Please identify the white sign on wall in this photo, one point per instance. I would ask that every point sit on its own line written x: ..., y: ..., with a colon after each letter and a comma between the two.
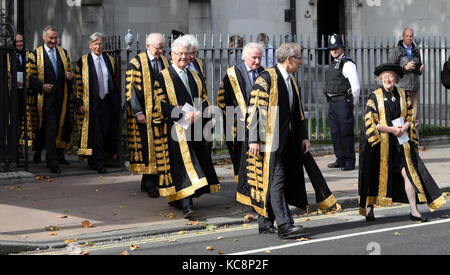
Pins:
x: 374, y: 3
x: 73, y: 3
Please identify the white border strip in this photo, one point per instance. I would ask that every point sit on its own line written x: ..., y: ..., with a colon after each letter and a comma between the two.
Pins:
x: 339, y: 237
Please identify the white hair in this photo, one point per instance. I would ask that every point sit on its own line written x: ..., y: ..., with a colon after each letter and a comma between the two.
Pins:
x: 193, y: 40
x: 154, y: 38
x: 96, y: 36
x: 249, y: 46
x: 181, y: 42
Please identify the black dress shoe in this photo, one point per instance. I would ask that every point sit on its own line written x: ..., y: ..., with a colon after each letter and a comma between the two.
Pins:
x: 63, y: 162
x: 289, y: 232
x: 336, y: 165
x: 267, y: 230
x: 37, y: 157
x: 188, y: 213
x: 101, y: 170
x: 370, y: 217
x: 348, y: 168
x: 55, y: 170
x: 417, y: 219
x: 153, y: 194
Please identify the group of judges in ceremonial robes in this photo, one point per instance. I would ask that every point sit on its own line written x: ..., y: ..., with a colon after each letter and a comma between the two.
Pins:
x: 264, y: 121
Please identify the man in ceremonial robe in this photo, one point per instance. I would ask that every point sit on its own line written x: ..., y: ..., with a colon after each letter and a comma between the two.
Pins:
x: 279, y: 148
x: 98, y: 101
x: 184, y: 162
x: 142, y: 74
x: 234, y: 96
x: 50, y: 77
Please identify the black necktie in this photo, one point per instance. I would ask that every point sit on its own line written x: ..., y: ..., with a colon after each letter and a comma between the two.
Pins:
x: 156, y: 65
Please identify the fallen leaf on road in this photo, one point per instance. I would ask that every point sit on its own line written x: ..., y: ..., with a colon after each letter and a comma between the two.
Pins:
x: 397, y: 234
x: 52, y: 234
x: 182, y: 232
x: 88, y: 244
x: 338, y: 207
x: 52, y: 228
x: 193, y: 223
x: 209, y: 248
x: 134, y: 247
x: 220, y: 237
x: 70, y: 241
x: 248, y: 218
x: 302, y: 239
x: 122, y: 206
x: 170, y: 216
x: 84, y: 253
x: 125, y: 253
x: 267, y: 251
x: 173, y: 241
x: 220, y: 252
x: 445, y: 217
x: 86, y: 224
x: 62, y: 216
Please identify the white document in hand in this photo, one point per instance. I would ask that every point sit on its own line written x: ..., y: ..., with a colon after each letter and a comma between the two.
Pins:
x: 187, y: 108
x: 400, y: 122
x: 20, y: 79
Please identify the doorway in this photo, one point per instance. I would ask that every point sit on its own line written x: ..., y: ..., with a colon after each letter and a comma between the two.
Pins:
x: 330, y: 20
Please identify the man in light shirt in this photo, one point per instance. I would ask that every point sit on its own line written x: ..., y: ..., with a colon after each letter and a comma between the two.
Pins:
x: 342, y: 92
x: 184, y: 161
x: 98, y: 101
x: 50, y: 76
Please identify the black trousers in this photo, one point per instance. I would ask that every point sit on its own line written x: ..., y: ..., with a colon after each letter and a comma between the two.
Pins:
x: 342, y: 120
x: 279, y: 209
x: 101, y: 128
x: 47, y: 137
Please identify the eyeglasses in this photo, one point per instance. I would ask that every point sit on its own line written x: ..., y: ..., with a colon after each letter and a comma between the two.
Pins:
x: 183, y: 54
x: 297, y: 57
x: 388, y: 77
x: 158, y: 49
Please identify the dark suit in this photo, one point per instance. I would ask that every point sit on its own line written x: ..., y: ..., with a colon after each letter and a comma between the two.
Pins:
x: 104, y: 114
x: 198, y: 152
x: 229, y: 95
x: 138, y: 88
x: 53, y: 106
x: 290, y: 130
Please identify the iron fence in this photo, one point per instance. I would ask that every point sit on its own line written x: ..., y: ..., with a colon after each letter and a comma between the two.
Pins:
x: 368, y: 53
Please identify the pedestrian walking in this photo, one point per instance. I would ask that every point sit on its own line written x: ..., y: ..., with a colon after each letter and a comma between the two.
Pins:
x: 390, y: 168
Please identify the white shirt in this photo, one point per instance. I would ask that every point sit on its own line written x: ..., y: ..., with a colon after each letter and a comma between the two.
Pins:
x: 47, y: 49
x: 152, y: 59
x: 104, y: 70
x: 288, y: 82
x: 349, y: 71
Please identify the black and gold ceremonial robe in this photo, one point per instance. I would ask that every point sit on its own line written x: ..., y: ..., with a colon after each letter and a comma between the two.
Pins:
x: 39, y: 72
x: 140, y: 85
x: 264, y: 107
x: 199, y: 65
x: 87, y: 95
x: 233, y: 93
x: 18, y: 100
x: 184, y: 163
x: 382, y: 158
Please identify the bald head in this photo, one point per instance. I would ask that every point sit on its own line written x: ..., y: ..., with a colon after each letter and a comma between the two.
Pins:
x: 155, y: 44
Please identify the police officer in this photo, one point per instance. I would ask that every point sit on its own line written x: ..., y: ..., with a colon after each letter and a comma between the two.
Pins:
x: 342, y: 91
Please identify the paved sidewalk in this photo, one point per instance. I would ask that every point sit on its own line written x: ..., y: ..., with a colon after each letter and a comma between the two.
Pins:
x: 31, y: 205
